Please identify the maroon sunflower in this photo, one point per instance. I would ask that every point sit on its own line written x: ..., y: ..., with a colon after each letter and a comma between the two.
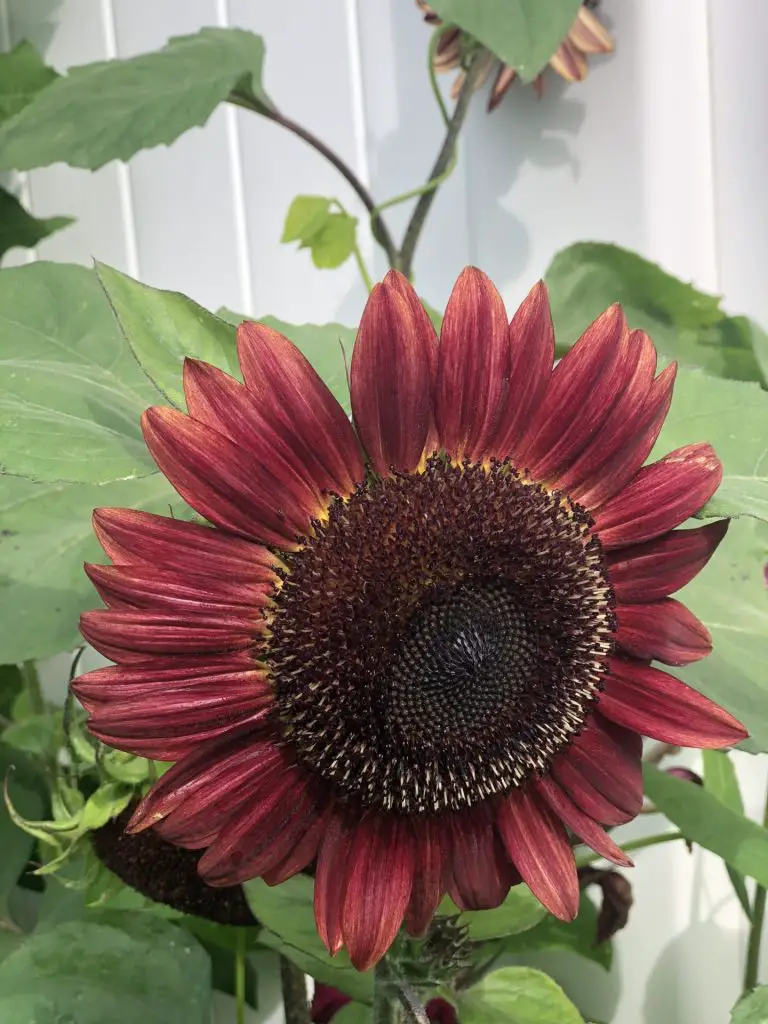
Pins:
x: 413, y: 653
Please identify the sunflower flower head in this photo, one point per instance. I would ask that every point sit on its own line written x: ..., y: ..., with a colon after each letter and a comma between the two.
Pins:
x: 411, y: 652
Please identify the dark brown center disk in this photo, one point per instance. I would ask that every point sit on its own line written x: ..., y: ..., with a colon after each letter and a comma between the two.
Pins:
x: 441, y: 637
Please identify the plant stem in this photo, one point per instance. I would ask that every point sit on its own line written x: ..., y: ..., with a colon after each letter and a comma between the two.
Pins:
x: 379, y: 228
x: 419, y: 215
x: 367, y: 280
x: 431, y: 51
x: 635, y: 844
x: 240, y: 949
x: 295, y: 1005
x: 385, y: 1008
x: 32, y: 687
x: 756, y: 927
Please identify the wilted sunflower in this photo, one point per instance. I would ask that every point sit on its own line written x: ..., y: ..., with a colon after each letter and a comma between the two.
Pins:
x: 409, y: 653
x: 586, y: 37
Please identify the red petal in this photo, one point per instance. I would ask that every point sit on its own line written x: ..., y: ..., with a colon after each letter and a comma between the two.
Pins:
x: 662, y: 631
x: 660, y: 497
x: 648, y: 572
x: 222, y: 483
x: 532, y: 347
x: 621, y: 424
x: 129, y: 536
x: 428, y: 876
x: 632, y: 443
x: 473, y: 367
x: 392, y: 376
x: 299, y: 407
x: 602, y: 772
x: 331, y: 877
x: 656, y: 704
x: 538, y: 844
x: 380, y: 866
x: 582, y: 390
x: 581, y: 824
x: 303, y: 852
x: 142, y: 586
x: 481, y: 872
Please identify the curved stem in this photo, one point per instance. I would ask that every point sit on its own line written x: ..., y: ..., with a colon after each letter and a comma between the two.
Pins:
x: 755, y: 928
x: 240, y: 976
x: 635, y: 844
x: 380, y: 230
x: 431, y: 51
x: 294, y: 987
x: 444, y: 157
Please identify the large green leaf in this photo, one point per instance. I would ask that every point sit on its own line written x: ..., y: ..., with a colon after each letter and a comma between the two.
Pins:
x: 523, y: 33
x: 703, y: 819
x: 163, y: 327
x: 46, y: 536
x: 730, y: 597
x: 721, y: 781
x: 684, y: 323
x: 517, y: 995
x: 22, y: 75
x: 753, y: 1008
x: 287, y: 913
x: 120, y: 967
x: 19, y: 229
x: 577, y: 936
x: 71, y: 394
x: 732, y: 416
x: 112, y: 109
x: 26, y: 795
x: 327, y: 346
x: 519, y: 912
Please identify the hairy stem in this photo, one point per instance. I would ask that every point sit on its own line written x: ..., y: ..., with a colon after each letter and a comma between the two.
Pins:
x: 385, y: 1007
x: 444, y: 157
x: 755, y: 928
x: 379, y: 228
x: 294, y: 988
x: 635, y: 844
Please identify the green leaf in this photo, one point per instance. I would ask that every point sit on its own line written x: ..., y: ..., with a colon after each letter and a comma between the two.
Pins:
x: 684, y: 323
x: 22, y: 75
x: 577, y: 936
x: 37, y: 735
x: 306, y: 215
x: 11, y: 685
x: 753, y: 1008
x: 703, y: 819
x: 19, y: 229
x: 325, y: 345
x: 733, y: 417
x: 162, y: 328
x: 522, y: 33
x: 721, y: 781
x: 106, y: 803
x: 125, y: 767
x: 730, y: 597
x: 70, y: 392
x: 287, y: 913
x: 120, y: 967
x: 330, y: 236
x: 352, y: 1013
x: 519, y: 912
x: 45, y: 538
x: 519, y: 995
x: 112, y: 109
x: 25, y: 789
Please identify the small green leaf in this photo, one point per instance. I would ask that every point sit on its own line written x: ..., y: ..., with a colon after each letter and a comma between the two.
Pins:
x: 37, y: 735
x: 522, y: 33
x: 19, y: 229
x: 519, y: 912
x: 703, y: 819
x: 71, y: 394
x: 120, y: 967
x: 127, y: 768
x: 287, y: 913
x: 106, y: 803
x: 721, y: 781
x: 334, y: 242
x: 520, y: 995
x: 22, y: 75
x: 578, y: 936
x: 753, y: 1008
x: 306, y: 215
x: 112, y: 109
x: 162, y: 328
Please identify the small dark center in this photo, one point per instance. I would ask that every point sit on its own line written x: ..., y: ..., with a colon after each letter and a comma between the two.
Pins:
x: 441, y: 637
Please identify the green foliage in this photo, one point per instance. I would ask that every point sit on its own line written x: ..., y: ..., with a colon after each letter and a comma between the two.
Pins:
x: 11, y: 686
x: 19, y: 229
x: 116, y: 966
x: 721, y: 781
x: 26, y: 791
x: 22, y: 75
x: 519, y: 912
x: 753, y: 1008
x: 287, y: 913
x: 70, y: 392
x: 519, y: 994
x: 329, y: 234
x: 684, y: 323
x: 578, y: 936
x: 703, y: 819
x: 523, y: 33
x: 112, y: 109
